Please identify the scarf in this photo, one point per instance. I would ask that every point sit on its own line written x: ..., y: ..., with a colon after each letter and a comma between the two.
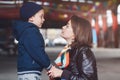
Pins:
x: 62, y: 61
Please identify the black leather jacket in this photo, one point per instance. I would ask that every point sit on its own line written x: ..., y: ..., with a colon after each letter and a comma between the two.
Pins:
x: 82, y: 65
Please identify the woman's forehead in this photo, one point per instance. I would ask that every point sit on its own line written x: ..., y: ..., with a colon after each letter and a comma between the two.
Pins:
x: 69, y: 21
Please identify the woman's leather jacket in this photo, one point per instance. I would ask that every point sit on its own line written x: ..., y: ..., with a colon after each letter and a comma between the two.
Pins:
x: 82, y: 65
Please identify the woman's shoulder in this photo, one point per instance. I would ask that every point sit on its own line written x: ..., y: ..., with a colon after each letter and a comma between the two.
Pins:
x: 83, y: 48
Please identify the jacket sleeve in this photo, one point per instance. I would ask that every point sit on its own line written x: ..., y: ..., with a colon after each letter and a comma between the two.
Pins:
x: 86, y: 71
x: 34, y: 44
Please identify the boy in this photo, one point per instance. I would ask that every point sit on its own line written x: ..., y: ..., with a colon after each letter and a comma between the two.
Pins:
x: 31, y: 54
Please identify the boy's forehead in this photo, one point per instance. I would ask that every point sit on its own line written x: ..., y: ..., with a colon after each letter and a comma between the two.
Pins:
x: 40, y: 12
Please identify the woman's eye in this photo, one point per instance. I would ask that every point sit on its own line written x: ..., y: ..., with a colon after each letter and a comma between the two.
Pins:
x: 67, y: 26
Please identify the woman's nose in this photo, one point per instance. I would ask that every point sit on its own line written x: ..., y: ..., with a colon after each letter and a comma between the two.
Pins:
x: 43, y: 19
x: 63, y: 27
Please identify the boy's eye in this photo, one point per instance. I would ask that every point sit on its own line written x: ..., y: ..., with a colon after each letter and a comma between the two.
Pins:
x: 41, y: 17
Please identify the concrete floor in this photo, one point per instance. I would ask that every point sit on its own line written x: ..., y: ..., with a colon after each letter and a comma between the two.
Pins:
x: 108, y: 64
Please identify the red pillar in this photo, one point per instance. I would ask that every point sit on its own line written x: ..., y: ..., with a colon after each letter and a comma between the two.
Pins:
x: 115, y: 30
x: 105, y: 40
x: 104, y: 23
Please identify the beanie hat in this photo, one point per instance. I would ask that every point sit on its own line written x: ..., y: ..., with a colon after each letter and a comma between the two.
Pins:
x: 28, y: 10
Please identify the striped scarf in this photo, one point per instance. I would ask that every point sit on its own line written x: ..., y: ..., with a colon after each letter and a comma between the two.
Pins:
x: 62, y: 61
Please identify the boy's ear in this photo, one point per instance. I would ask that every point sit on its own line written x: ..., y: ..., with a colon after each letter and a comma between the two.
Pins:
x: 30, y: 19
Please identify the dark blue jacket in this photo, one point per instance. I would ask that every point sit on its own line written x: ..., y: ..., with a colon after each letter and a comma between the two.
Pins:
x: 31, y: 48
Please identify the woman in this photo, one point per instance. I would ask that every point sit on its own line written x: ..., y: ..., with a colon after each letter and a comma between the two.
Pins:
x: 81, y: 64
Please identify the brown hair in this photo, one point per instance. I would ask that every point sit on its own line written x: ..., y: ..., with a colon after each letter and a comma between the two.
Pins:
x: 82, y: 30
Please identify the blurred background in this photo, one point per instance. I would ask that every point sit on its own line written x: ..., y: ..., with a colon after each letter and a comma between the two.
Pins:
x: 104, y: 16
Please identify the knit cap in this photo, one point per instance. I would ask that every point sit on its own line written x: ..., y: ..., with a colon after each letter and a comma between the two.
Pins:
x: 28, y: 10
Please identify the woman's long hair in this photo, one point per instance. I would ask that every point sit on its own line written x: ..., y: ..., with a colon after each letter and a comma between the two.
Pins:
x: 82, y: 30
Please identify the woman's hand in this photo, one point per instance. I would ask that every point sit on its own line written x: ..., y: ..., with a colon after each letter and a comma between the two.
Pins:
x: 55, y: 72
